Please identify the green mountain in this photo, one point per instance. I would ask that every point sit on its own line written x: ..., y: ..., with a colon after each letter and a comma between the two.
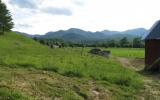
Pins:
x: 74, y: 35
x: 130, y: 34
x: 78, y: 35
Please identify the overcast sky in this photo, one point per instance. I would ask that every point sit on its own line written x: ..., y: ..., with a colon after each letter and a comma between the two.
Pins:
x: 41, y: 16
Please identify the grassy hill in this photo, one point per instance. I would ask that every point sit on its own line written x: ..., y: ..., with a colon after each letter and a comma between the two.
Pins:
x: 30, y: 70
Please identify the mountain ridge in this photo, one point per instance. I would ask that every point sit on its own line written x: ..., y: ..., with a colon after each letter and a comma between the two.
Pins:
x: 77, y: 35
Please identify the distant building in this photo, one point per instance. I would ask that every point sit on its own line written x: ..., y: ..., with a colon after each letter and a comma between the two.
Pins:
x: 152, y: 48
x: 55, y: 46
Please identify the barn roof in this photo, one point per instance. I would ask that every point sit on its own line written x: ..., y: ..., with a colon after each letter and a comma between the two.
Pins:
x: 154, y: 32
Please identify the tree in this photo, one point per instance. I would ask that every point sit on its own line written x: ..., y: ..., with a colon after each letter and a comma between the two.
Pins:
x: 137, y: 43
x: 112, y: 43
x: 42, y: 41
x: 124, y: 42
x: 35, y: 38
x: 6, y: 23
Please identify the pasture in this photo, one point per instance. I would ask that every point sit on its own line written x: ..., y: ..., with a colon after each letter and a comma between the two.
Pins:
x: 29, y: 68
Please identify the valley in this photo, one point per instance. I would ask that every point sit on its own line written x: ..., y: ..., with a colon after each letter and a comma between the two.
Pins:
x: 33, y: 71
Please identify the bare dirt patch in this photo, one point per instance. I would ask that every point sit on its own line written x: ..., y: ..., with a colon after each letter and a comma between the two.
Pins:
x: 151, y: 89
x: 133, y: 63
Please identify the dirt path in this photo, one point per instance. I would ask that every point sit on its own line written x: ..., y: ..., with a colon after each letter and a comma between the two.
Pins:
x: 126, y: 62
x: 151, y: 89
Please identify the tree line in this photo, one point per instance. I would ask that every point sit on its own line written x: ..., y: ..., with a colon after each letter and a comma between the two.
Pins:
x: 124, y: 43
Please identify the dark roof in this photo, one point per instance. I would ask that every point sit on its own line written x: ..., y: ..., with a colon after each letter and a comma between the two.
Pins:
x: 154, y: 32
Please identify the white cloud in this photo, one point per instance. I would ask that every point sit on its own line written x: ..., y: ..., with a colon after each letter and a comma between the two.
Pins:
x: 57, y: 11
x: 91, y: 15
x: 31, y: 4
x: 78, y: 2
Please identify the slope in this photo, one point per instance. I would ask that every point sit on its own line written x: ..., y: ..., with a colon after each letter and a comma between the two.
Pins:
x: 30, y: 70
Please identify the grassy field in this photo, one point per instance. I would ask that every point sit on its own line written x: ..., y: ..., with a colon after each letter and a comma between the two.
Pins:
x: 30, y: 70
x: 128, y: 52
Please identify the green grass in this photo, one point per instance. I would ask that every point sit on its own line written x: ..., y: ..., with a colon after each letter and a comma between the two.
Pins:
x: 128, y: 52
x: 17, y: 51
x: 7, y: 94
